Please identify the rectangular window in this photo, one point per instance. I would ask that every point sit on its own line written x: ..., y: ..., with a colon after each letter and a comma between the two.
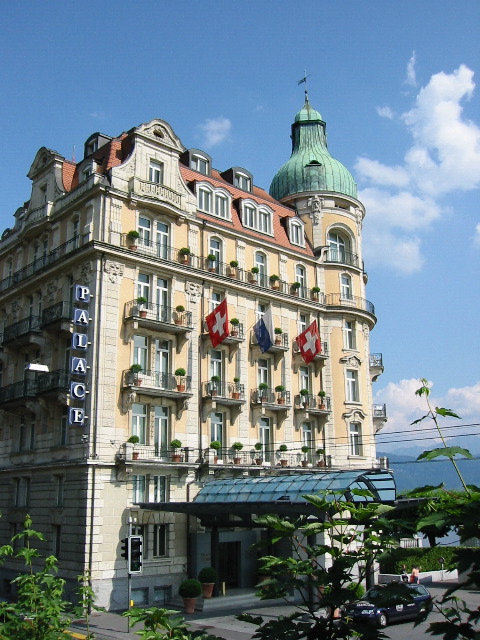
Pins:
x: 159, y: 489
x: 140, y: 596
x: 352, y: 386
x: 160, y: 540
x: 205, y: 200
x: 221, y: 206
x: 59, y: 485
x: 162, y: 595
x: 296, y: 234
x: 139, y: 421
x: 264, y: 221
x: 155, y: 172
x: 242, y: 182
x: 355, y: 439
x: 349, y: 335
x: 216, y: 426
x: 22, y: 492
x: 26, y: 435
x: 250, y: 217
x: 200, y: 164
x: 139, y: 486
x: 63, y: 430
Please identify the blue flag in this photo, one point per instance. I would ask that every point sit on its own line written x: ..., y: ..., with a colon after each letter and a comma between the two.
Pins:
x: 263, y: 329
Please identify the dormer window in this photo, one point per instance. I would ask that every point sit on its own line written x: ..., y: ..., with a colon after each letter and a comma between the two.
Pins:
x: 205, y: 199
x: 296, y: 233
x: 213, y: 201
x: 221, y: 206
x: 243, y: 182
x: 258, y: 218
x: 91, y: 147
x: 155, y: 172
x: 200, y: 164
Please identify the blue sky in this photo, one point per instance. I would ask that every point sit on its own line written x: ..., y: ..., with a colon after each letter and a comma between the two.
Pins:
x: 396, y: 84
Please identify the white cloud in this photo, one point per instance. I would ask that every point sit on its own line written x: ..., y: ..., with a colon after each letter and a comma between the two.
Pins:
x: 215, y: 131
x: 386, y: 112
x: 403, y: 407
x: 411, y: 78
x: 444, y: 156
x: 476, y: 237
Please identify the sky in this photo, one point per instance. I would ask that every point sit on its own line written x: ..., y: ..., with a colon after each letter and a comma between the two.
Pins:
x: 396, y: 83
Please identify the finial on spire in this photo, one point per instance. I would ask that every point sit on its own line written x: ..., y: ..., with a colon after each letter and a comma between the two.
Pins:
x: 304, y: 79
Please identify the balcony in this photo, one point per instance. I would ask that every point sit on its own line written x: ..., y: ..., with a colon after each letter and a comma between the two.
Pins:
x: 159, y: 318
x: 40, y: 264
x: 318, y: 361
x: 22, y: 332
x: 158, y: 453
x: 16, y: 393
x: 57, y: 316
x: 376, y: 365
x: 314, y: 405
x: 342, y: 257
x: 352, y: 302
x: 279, y: 347
x: 228, y: 393
x: 273, y: 400
x: 159, y: 385
x: 53, y: 381
x: 379, y: 414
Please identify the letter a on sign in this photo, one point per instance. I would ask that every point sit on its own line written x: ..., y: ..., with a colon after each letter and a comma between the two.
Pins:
x: 78, y: 366
x: 80, y: 316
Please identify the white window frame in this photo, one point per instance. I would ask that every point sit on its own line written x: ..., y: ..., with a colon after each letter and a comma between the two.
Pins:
x: 264, y: 221
x: 345, y: 287
x: 349, y: 335
x: 156, y: 171
x: 297, y: 233
x: 139, y: 489
x: 160, y: 541
x: 242, y: 181
x: 139, y: 421
x: 222, y: 205
x: 200, y: 164
x: 217, y: 426
x: 205, y: 199
x: 352, y: 391
x: 338, y: 245
x: 355, y: 441
x: 158, y: 487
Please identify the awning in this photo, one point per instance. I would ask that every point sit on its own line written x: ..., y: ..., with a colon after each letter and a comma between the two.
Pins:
x: 237, y: 501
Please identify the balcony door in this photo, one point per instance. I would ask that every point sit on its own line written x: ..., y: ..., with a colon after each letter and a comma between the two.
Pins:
x: 265, y: 437
x: 162, y: 363
x: 163, y: 299
x: 163, y: 240
x: 161, y: 430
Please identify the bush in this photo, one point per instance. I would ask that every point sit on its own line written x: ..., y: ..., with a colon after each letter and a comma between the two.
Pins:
x: 207, y: 575
x: 215, y: 444
x: 190, y: 588
x: 426, y: 558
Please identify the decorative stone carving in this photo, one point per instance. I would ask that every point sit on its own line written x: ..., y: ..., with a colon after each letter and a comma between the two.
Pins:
x: 15, y: 310
x: 52, y: 288
x: 316, y: 205
x: 193, y: 291
x: 128, y: 399
x: 84, y: 273
x: 114, y: 270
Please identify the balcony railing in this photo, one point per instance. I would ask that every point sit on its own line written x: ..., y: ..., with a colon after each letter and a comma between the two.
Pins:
x: 312, y: 403
x: 269, y: 396
x: 339, y: 300
x: 17, y: 390
x: 232, y: 390
x: 158, y: 313
x: 376, y: 360
x: 60, y: 311
x: 379, y: 411
x: 40, y: 264
x: 21, y: 328
x: 158, y: 380
x: 53, y: 380
x: 279, y: 341
x: 322, y: 354
x: 342, y: 256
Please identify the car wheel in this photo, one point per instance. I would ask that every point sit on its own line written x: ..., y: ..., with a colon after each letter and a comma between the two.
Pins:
x: 382, y: 620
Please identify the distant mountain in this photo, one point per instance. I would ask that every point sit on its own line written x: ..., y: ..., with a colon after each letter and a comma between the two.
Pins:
x: 409, y: 474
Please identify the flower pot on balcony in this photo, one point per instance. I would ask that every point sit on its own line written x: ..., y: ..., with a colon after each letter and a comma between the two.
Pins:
x: 235, y: 395
x: 321, y: 463
x: 181, y: 387
x: 304, y: 463
x: 278, y: 340
x: 176, y: 457
x: 283, y: 463
x: 281, y: 400
x: 237, y: 460
x: 142, y: 313
x: 258, y: 461
x: 135, y: 455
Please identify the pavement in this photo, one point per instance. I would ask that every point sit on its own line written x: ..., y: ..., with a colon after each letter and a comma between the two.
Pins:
x: 218, y: 616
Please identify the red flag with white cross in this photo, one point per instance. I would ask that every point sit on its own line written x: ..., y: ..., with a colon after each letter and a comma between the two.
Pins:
x: 309, y: 342
x: 217, y: 323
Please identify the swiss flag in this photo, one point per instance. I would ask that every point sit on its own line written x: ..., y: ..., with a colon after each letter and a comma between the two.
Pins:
x: 217, y: 323
x: 309, y: 342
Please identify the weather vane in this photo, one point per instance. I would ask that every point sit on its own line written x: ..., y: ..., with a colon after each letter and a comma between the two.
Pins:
x: 304, y: 79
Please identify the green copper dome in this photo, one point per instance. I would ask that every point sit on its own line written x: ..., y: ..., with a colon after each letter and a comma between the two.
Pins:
x: 311, y: 167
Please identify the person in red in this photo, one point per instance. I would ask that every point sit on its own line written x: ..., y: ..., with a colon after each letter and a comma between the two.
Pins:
x: 415, y: 575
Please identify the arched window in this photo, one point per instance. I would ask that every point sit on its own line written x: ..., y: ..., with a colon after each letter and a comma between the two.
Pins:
x: 337, y: 247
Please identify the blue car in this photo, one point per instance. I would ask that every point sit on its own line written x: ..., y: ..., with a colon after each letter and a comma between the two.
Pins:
x: 387, y: 603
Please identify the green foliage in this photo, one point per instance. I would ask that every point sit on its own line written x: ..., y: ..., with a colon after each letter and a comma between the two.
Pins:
x: 426, y: 558
x: 160, y: 624
x: 190, y: 588
x: 40, y: 611
x: 207, y: 574
x: 215, y: 444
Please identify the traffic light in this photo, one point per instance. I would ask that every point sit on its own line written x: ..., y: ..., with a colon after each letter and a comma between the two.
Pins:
x: 125, y: 548
x: 135, y: 554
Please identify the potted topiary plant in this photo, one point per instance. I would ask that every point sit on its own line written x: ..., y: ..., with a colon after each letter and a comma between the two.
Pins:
x: 184, y: 254
x: 211, y: 259
x: 134, y: 377
x: 232, y: 268
x: 237, y: 446
x: 190, y: 590
x: 274, y: 281
x: 283, y: 454
x: 176, y: 445
x: 321, y: 399
x: 234, y: 330
x: 305, y: 450
x: 315, y: 293
x: 254, y: 275
x: 258, y: 447
x: 280, y: 389
x: 179, y: 313
x: 133, y: 440
x: 236, y: 389
x: 304, y: 396
x: 214, y: 385
x: 295, y: 287
x: 216, y: 445
x: 132, y: 237
x: 180, y: 373
x: 207, y: 578
x: 142, y: 310
x: 321, y: 457
x: 278, y: 335
x: 262, y: 388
